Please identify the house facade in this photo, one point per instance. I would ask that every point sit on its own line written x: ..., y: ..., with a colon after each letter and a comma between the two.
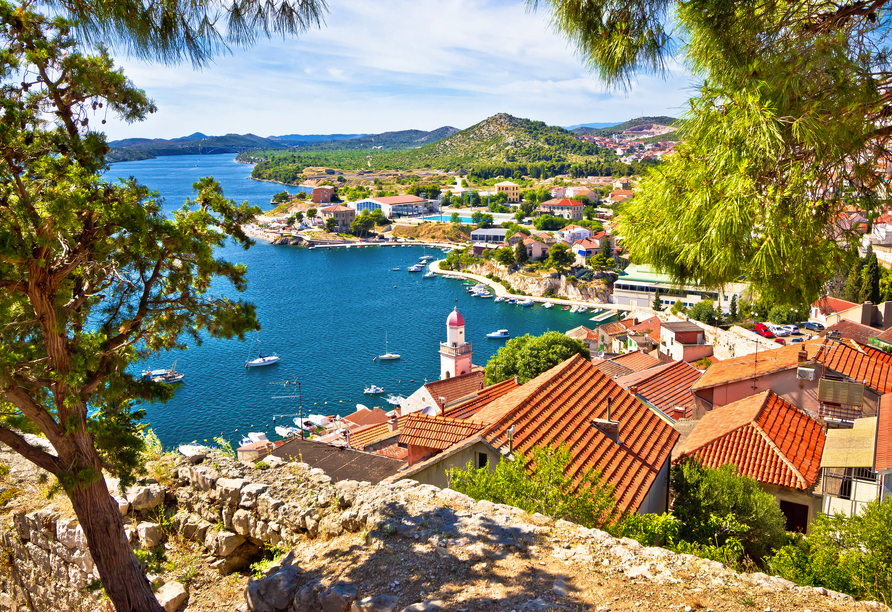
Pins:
x: 512, y: 190
x: 489, y: 234
x: 322, y: 194
x: 568, y: 209
x: 344, y: 215
x: 684, y: 341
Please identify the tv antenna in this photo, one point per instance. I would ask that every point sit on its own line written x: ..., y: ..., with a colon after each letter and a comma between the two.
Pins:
x: 300, y: 403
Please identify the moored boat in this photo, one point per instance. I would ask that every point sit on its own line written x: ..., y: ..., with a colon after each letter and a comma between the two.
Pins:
x: 527, y: 303
x: 168, y: 376
x: 548, y: 305
x: 373, y: 390
x: 502, y: 333
x: 429, y: 275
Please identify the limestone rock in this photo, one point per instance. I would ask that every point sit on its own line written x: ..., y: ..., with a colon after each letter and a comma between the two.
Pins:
x: 150, y: 534
x: 222, y: 543
x: 429, y: 605
x: 171, y: 596
x: 378, y: 603
x: 229, y: 490
x: 275, y: 592
x: 339, y: 597
x: 250, y: 493
x: 145, y: 497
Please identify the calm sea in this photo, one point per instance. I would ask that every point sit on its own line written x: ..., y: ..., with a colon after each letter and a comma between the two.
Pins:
x: 324, y: 312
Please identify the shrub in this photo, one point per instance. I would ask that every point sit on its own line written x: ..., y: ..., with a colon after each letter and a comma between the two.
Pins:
x: 539, y: 482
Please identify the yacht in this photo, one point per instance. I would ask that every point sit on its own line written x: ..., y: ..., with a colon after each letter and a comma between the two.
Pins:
x: 285, y: 431
x: 387, y: 354
x: 548, y: 305
x: 373, y: 390
x: 262, y: 360
x: 429, y: 275
x: 415, y: 268
x: 499, y: 299
x: 512, y: 301
x: 255, y: 437
x: 502, y: 333
x: 582, y: 309
x: 168, y: 376
x: 395, y: 400
x: 527, y: 303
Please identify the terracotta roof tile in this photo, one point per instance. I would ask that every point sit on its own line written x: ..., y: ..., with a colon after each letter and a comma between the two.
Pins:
x: 766, y: 437
x: 856, y: 365
x: 437, y: 431
x: 852, y: 330
x: 582, y: 333
x: 394, y: 451
x: 367, y: 435
x: 452, y: 389
x: 667, y: 387
x: 472, y: 406
x: 611, y: 368
x: 637, y: 361
x: 557, y: 407
x: 829, y: 305
x: 883, y: 460
x: 367, y: 417
x: 615, y: 328
x: 650, y: 326
x: 871, y: 351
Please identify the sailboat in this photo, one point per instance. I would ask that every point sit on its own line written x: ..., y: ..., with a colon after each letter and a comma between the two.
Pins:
x: 262, y: 360
x: 387, y: 354
x: 168, y: 376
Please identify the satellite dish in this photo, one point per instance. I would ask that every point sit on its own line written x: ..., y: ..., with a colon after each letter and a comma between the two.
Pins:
x: 430, y: 411
x: 600, y: 354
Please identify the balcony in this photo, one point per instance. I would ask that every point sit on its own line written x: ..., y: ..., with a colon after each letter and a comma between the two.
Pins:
x: 455, y: 351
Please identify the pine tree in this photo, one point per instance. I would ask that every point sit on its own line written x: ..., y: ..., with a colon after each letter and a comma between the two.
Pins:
x: 520, y: 253
x: 658, y: 303
x: 870, y: 280
x: 732, y: 309
x: 852, y: 290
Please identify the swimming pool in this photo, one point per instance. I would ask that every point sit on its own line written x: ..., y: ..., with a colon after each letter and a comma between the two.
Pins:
x: 447, y: 218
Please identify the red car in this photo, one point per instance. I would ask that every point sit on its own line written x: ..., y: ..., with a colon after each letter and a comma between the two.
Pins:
x: 780, y: 340
x: 763, y: 330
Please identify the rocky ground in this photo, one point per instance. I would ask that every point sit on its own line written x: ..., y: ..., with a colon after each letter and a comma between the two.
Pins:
x: 404, y: 546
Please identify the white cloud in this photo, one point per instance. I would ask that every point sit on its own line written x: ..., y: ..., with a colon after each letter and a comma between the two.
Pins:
x: 394, y: 65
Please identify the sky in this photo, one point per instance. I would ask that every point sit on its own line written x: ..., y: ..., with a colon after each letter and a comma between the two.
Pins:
x: 394, y: 65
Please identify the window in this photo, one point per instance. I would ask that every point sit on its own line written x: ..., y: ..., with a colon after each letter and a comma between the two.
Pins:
x: 482, y: 460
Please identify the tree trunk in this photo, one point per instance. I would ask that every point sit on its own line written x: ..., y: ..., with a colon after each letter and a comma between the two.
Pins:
x: 122, y: 576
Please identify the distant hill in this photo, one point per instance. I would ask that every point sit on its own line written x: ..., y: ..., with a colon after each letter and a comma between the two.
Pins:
x: 389, y: 141
x: 590, y: 125
x: 135, y: 149
x: 315, y: 138
x: 628, y: 125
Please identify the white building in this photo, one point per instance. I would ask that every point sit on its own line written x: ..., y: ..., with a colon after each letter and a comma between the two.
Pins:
x: 637, y: 286
x: 391, y: 206
x: 489, y: 234
x: 455, y: 353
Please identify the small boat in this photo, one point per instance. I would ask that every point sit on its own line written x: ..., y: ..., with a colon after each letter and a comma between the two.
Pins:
x: 502, y: 333
x: 373, y: 390
x: 425, y: 258
x: 415, y: 268
x: 484, y: 295
x: 168, y: 376
x: 548, y: 305
x: 286, y: 432
x: 512, y: 301
x: 255, y: 437
x: 527, y: 303
x: 582, y: 309
x: 499, y: 299
x: 429, y: 275
x: 396, y: 269
x: 395, y: 400
x: 565, y: 308
x: 262, y: 360
x: 387, y: 356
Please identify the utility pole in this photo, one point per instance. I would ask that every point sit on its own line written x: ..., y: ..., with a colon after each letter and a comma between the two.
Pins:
x: 300, y: 404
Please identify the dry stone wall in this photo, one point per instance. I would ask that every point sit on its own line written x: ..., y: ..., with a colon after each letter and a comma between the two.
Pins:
x: 333, y: 530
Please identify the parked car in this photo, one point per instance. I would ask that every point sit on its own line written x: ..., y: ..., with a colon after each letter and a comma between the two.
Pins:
x: 779, y: 330
x: 780, y: 340
x: 791, y: 328
x: 811, y: 325
x: 762, y: 330
x: 798, y: 340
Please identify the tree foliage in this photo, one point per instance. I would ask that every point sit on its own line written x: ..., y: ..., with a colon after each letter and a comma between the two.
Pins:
x: 715, y: 505
x: 528, y: 356
x: 93, y: 278
x: 540, y: 483
x: 706, y: 311
x: 851, y: 554
x: 787, y: 130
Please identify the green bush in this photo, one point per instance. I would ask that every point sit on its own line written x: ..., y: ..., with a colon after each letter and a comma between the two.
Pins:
x: 848, y: 554
x: 718, y: 506
x: 783, y: 315
x: 539, y: 482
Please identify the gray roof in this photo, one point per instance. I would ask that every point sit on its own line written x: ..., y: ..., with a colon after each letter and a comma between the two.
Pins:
x: 339, y: 462
x: 682, y: 326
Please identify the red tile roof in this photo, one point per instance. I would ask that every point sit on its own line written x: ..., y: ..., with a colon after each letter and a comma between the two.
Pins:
x: 367, y: 417
x: 452, y: 389
x: 854, y: 364
x: 615, y: 328
x: 582, y: 333
x: 829, y: 305
x: 394, y: 451
x: 855, y: 331
x: 557, y: 407
x: 564, y: 202
x: 767, y: 438
x: 437, y: 431
x: 367, y: 435
x: 872, y: 352
x: 883, y: 460
x: 650, y: 326
x: 611, y: 368
x: 470, y: 407
x: 637, y: 361
x: 667, y: 387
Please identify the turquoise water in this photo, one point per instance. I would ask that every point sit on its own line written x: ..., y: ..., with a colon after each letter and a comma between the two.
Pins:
x: 446, y: 218
x: 325, y: 312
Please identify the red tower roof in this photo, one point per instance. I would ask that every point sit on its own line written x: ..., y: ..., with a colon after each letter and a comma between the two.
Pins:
x: 455, y: 319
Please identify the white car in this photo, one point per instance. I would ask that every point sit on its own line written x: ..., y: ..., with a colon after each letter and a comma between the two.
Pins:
x: 779, y: 330
x: 791, y: 328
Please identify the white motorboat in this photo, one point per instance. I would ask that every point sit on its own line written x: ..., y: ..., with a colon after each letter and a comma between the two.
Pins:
x: 548, y: 305
x: 574, y: 309
x: 261, y: 360
x: 502, y: 333
x: 387, y: 356
x: 255, y: 437
x: 582, y: 309
x: 484, y: 294
x: 429, y: 275
x: 415, y: 268
x: 395, y: 400
x: 168, y: 376
x: 425, y: 258
x: 527, y: 303
x: 499, y: 299
x: 373, y: 390
x: 286, y: 432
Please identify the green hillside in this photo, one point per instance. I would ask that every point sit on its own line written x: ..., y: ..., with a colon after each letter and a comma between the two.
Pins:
x: 616, y: 129
x: 134, y: 149
x: 387, y: 141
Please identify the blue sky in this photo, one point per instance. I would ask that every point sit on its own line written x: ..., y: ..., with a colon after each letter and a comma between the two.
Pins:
x: 394, y: 65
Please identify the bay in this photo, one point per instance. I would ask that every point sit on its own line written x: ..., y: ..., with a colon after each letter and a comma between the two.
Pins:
x: 325, y: 312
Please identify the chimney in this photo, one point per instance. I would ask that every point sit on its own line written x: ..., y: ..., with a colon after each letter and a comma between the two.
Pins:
x: 511, y: 439
x: 517, y: 380
x: 606, y: 426
x: 803, y: 355
x: 391, y: 425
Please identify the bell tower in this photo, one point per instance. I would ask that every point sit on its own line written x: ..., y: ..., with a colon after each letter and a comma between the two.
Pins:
x: 455, y: 353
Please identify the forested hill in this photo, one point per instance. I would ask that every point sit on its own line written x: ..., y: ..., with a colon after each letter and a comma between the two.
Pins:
x: 616, y: 129
x: 500, y: 145
x: 135, y: 149
x: 387, y: 141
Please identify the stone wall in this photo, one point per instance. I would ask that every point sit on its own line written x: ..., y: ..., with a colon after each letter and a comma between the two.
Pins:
x: 434, y: 536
